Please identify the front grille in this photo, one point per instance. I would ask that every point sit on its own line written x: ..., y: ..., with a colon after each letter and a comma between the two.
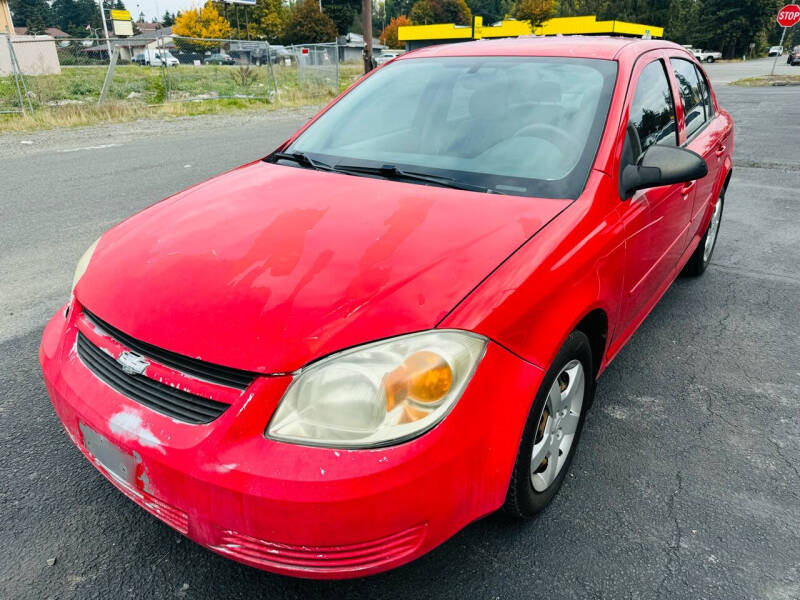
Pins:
x: 191, y: 366
x: 162, y: 398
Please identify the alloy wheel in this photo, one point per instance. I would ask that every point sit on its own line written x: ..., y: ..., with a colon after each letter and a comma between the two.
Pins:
x: 713, y: 229
x: 557, y: 425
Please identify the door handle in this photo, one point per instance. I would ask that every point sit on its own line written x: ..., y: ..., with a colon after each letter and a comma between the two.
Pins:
x: 720, y: 150
x: 687, y: 187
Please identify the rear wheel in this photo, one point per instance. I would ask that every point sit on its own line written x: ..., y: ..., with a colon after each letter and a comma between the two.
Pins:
x: 702, y: 255
x: 709, y: 59
x: 552, y: 430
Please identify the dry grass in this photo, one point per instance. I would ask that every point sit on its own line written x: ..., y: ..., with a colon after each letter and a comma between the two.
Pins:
x: 765, y: 80
x: 79, y: 87
x: 81, y: 115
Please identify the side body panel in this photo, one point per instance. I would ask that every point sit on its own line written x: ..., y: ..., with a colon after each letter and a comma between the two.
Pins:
x: 714, y: 142
x: 656, y: 223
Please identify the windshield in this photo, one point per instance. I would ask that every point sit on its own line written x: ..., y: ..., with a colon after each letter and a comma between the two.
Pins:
x: 514, y: 125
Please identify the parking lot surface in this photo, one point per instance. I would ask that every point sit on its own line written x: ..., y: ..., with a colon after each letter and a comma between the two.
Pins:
x: 685, y: 485
x: 726, y: 72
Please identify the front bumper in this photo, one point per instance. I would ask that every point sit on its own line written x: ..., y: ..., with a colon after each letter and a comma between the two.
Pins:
x: 296, y: 510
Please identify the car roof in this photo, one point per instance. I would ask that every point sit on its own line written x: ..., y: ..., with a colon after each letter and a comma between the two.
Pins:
x: 578, y: 46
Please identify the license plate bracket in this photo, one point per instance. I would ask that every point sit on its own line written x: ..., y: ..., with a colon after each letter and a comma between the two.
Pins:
x: 118, y: 463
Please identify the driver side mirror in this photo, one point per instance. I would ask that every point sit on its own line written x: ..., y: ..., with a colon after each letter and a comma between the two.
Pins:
x: 661, y: 165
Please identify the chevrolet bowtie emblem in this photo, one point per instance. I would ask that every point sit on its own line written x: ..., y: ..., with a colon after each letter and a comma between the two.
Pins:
x: 132, y: 363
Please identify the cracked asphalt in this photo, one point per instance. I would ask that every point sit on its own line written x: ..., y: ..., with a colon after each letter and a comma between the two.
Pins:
x: 686, y: 481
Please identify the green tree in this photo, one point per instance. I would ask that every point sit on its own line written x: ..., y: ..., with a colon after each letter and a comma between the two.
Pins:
x: 682, y: 26
x: 357, y: 25
x: 73, y: 16
x: 426, y: 12
x: 168, y: 19
x: 268, y: 20
x: 491, y: 10
x: 33, y: 14
x: 308, y: 24
x: 731, y: 27
x: 342, y: 13
x: 395, y: 8
x: 582, y: 8
x: 422, y: 13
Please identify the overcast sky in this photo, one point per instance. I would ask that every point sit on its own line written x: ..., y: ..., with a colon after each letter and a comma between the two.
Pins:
x: 152, y: 8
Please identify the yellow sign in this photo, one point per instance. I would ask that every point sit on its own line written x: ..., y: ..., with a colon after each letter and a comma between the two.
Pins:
x: 120, y: 15
x: 477, y: 28
x: 511, y: 28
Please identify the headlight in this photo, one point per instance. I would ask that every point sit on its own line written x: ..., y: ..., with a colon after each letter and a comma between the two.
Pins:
x: 378, y: 394
x: 83, y: 263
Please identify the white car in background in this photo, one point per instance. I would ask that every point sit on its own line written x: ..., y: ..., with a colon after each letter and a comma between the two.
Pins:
x: 706, y: 55
x: 386, y: 56
x: 155, y: 58
x: 775, y: 51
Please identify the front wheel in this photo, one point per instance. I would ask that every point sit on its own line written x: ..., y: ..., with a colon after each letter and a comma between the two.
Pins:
x: 702, y: 255
x: 552, y: 430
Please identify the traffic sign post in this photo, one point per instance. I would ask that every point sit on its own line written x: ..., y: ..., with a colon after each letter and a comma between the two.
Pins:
x: 788, y: 16
x: 105, y: 29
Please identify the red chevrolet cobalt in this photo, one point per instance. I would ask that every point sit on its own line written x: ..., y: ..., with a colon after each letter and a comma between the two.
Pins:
x: 327, y: 362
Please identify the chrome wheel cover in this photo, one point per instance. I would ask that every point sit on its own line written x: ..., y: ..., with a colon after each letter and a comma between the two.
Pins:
x: 557, y: 425
x: 713, y: 229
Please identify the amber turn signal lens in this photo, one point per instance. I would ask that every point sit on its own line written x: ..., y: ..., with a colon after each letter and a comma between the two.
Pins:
x: 424, y: 377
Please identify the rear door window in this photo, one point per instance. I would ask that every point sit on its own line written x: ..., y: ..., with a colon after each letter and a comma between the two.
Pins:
x: 694, y: 109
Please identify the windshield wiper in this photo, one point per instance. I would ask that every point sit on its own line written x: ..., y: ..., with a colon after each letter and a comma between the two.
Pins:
x: 301, y: 159
x: 393, y: 172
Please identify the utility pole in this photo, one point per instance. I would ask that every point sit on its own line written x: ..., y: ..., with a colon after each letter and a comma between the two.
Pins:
x: 366, y: 26
x: 105, y: 27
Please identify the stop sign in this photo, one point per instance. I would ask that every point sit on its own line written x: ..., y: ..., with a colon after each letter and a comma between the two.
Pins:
x: 789, y: 15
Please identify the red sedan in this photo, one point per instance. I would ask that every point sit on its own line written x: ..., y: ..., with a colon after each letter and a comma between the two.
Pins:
x: 327, y: 362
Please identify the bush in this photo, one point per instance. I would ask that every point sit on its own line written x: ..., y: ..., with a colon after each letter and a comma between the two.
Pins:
x: 245, y: 75
x: 156, y: 86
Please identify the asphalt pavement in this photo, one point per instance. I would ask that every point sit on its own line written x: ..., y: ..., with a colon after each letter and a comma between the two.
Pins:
x: 685, y: 485
x: 726, y: 72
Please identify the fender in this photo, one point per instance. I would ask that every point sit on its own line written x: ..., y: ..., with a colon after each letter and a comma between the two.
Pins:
x: 536, y: 298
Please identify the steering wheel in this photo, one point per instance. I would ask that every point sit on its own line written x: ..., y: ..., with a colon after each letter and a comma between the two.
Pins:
x: 561, y: 138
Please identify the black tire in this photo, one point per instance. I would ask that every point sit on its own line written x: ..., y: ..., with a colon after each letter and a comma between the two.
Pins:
x: 522, y: 500
x: 709, y: 59
x: 698, y: 264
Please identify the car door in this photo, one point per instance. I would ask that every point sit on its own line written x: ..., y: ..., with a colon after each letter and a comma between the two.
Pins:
x: 656, y: 219
x: 701, y: 132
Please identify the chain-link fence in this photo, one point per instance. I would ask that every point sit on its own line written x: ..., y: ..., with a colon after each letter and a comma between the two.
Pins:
x: 317, y: 64
x: 38, y: 72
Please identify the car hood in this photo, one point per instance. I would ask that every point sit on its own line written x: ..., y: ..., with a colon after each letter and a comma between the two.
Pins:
x: 268, y: 267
